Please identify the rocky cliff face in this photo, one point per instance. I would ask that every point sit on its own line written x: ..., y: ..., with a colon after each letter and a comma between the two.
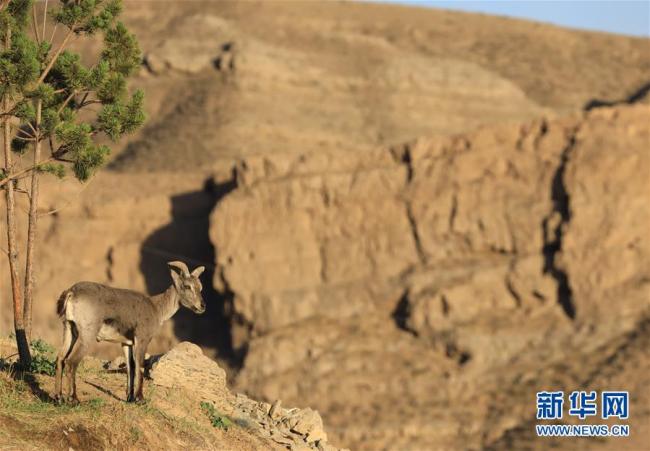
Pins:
x: 389, y: 285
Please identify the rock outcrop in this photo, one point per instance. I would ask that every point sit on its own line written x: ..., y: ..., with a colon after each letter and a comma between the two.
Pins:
x: 185, y: 368
x: 388, y: 284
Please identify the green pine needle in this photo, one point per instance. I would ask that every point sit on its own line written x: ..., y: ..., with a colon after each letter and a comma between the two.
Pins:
x: 71, y: 85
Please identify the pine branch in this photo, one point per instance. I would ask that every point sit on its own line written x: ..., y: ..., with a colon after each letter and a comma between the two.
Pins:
x: 49, y: 66
x: 24, y: 172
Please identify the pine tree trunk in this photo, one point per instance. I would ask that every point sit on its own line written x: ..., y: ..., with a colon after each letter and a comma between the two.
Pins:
x: 19, y: 326
x: 31, y: 232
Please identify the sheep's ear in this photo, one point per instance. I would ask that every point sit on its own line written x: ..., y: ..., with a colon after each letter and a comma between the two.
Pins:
x: 176, y: 278
x: 198, y: 271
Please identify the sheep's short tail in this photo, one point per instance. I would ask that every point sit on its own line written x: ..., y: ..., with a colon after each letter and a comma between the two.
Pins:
x: 62, y: 303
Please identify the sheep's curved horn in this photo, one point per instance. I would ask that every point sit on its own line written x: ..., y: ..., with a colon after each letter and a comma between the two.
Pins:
x: 198, y: 271
x: 181, y: 266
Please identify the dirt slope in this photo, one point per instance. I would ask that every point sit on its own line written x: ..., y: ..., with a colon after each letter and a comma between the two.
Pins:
x: 187, y: 406
x: 226, y: 79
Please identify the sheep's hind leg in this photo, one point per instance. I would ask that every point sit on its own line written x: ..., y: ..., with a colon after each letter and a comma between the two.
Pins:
x: 69, y: 340
x: 71, y: 364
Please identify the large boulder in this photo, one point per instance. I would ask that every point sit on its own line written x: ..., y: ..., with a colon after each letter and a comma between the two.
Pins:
x: 186, y: 367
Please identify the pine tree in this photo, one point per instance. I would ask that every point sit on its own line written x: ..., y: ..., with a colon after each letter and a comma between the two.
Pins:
x: 44, y: 86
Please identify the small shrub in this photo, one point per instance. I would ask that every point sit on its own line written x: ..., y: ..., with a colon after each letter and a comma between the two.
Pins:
x: 42, y: 347
x: 217, y: 420
x: 43, y: 365
x: 44, y: 360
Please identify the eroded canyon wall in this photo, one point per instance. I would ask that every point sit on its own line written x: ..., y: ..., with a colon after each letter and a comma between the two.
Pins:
x: 385, y: 286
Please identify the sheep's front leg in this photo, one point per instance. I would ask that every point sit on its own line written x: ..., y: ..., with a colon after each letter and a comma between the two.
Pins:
x: 128, y: 357
x: 139, y: 349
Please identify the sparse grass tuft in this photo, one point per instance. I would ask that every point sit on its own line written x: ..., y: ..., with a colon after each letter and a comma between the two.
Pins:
x: 217, y: 419
x: 135, y: 433
x: 96, y: 403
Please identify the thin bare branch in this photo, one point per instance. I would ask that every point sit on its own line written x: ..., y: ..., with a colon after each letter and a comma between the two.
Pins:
x: 55, y: 57
x: 25, y: 139
x: 51, y: 143
x: 44, y: 18
x: 33, y: 129
x: 24, y: 172
x: 89, y: 102
x: 27, y: 135
x: 70, y: 201
x: 35, y: 24
x: 10, y: 111
x: 53, y: 32
x: 65, y: 103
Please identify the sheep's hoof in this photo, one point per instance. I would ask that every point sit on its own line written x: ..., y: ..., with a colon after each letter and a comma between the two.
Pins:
x: 72, y: 401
